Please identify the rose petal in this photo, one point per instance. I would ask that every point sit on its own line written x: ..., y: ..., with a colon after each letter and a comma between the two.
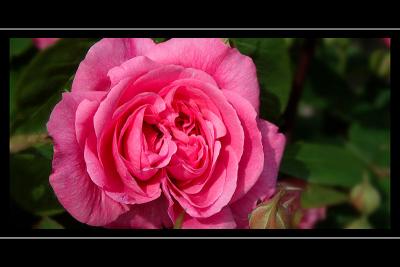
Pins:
x: 152, y: 215
x: 230, y: 69
x: 238, y: 73
x: 132, y: 69
x: 222, y: 220
x: 74, y: 189
x: 203, y: 54
x: 156, y: 79
x: 252, y: 161
x: 217, y: 192
x: 103, y: 56
x: 273, y: 145
x: 235, y: 135
x: 84, y: 118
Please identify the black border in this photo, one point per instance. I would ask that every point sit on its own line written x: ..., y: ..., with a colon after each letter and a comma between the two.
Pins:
x: 8, y: 231
x: 201, y: 32
x: 204, y: 14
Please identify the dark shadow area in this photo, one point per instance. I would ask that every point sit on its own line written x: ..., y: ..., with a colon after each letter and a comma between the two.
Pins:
x: 290, y: 165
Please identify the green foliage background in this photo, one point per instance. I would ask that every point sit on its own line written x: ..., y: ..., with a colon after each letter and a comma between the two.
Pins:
x: 340, y: 140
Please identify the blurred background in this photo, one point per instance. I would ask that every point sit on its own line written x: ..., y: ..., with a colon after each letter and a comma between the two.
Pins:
x: 330, y: 96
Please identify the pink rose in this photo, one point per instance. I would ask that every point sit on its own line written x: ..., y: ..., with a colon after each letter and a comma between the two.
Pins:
x: 42, y: 43
x: 153, y: 132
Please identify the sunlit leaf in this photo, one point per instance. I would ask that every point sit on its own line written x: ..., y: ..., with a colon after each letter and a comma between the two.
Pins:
x: 315, y: 196
x: 322, y: 164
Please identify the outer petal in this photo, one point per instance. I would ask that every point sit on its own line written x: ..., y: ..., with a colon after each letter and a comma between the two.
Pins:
x: 252, y: 162
x: 87, y: 141
x: 238, y: 73
x: 69, y: 179
x: 199, y: 53
x: 232, y: 70
x: 273, y: 145
x: 103, y: 56
x: 152, y: 215
x: 221, y: 220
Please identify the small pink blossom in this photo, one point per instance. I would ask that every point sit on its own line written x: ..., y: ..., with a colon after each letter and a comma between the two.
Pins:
x: 42, y: 43
x: 311, y: 217
x: 387, y: 41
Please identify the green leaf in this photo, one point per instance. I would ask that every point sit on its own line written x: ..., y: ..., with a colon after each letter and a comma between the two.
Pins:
x: 40, y: 85
x: 159, y: 40
x: 383, y: 99
x: 372, y: 146
x: 48, y: 223
x: 35, y: 122
x: 322, y: 164
x: 29, y: 183
x: 19, y: 45
x: 13, y: 80
x: 45, y: 150
x: 330, y: 87
x: 341, y: 78
x: 274, y: 72
x: 384, y: 186
x: 315, y: 196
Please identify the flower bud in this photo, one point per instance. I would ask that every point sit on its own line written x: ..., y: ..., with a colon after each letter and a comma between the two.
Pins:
x: 277, y: 212
x: 365, y: 198
x: 361, y: 223
x: 270, y: 215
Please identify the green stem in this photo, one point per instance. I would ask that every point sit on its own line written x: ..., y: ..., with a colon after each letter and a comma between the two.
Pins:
x: 304, y: 62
